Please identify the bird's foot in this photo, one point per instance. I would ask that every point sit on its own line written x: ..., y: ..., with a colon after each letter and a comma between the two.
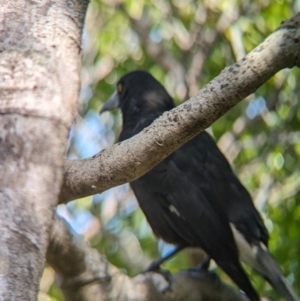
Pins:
x: 155, y: 267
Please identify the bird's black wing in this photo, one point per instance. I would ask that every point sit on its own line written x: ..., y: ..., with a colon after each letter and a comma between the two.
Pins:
x: 230, y: 199
x: 224, y: 190
x: 179, y: 213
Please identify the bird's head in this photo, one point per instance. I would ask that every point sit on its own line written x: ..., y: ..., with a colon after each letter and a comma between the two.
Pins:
x: 138, y: 94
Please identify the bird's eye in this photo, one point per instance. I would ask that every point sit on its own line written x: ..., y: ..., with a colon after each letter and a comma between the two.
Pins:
x: 120, y: 88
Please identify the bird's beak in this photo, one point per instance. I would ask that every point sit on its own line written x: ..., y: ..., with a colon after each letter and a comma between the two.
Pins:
x: 112, y: 103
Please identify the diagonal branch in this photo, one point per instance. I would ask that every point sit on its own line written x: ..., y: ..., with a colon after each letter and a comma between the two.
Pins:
x: 126, y: 161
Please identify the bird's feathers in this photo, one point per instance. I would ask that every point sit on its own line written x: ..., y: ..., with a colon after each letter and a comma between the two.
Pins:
x: 271, y: 271
x: 193, y: 198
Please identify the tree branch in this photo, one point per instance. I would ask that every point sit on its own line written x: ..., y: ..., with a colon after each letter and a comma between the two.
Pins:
x: 83, y: 274
x: 126, y: 161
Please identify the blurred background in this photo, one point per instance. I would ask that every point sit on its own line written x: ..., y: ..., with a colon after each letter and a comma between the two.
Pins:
x: 185, y: 44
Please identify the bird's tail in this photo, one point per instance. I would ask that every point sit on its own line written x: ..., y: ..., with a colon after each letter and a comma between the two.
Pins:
x: 239, y: 276
x: 271, y: 271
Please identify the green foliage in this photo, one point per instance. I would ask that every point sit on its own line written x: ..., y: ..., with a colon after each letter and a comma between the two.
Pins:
x: 185, y: 44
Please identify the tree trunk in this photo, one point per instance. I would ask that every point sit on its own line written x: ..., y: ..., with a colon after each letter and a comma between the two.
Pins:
x: 39, y: 59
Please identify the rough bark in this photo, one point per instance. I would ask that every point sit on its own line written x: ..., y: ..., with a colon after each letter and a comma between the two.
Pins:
x: 126, y: 161
x: 83, y: 274
x: 39, y: 45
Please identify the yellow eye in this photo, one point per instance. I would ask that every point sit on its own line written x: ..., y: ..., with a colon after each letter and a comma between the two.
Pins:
x: 120, y: 88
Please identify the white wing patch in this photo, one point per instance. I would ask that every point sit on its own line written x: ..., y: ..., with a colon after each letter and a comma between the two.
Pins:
x: 247, y: 252
x: 173, y: 209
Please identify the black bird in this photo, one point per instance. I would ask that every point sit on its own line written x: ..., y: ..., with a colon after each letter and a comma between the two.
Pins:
x: 193, y: 198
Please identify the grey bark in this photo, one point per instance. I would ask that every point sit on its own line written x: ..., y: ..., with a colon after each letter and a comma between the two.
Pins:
x: 39, y: 84
x: 126, y: 161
